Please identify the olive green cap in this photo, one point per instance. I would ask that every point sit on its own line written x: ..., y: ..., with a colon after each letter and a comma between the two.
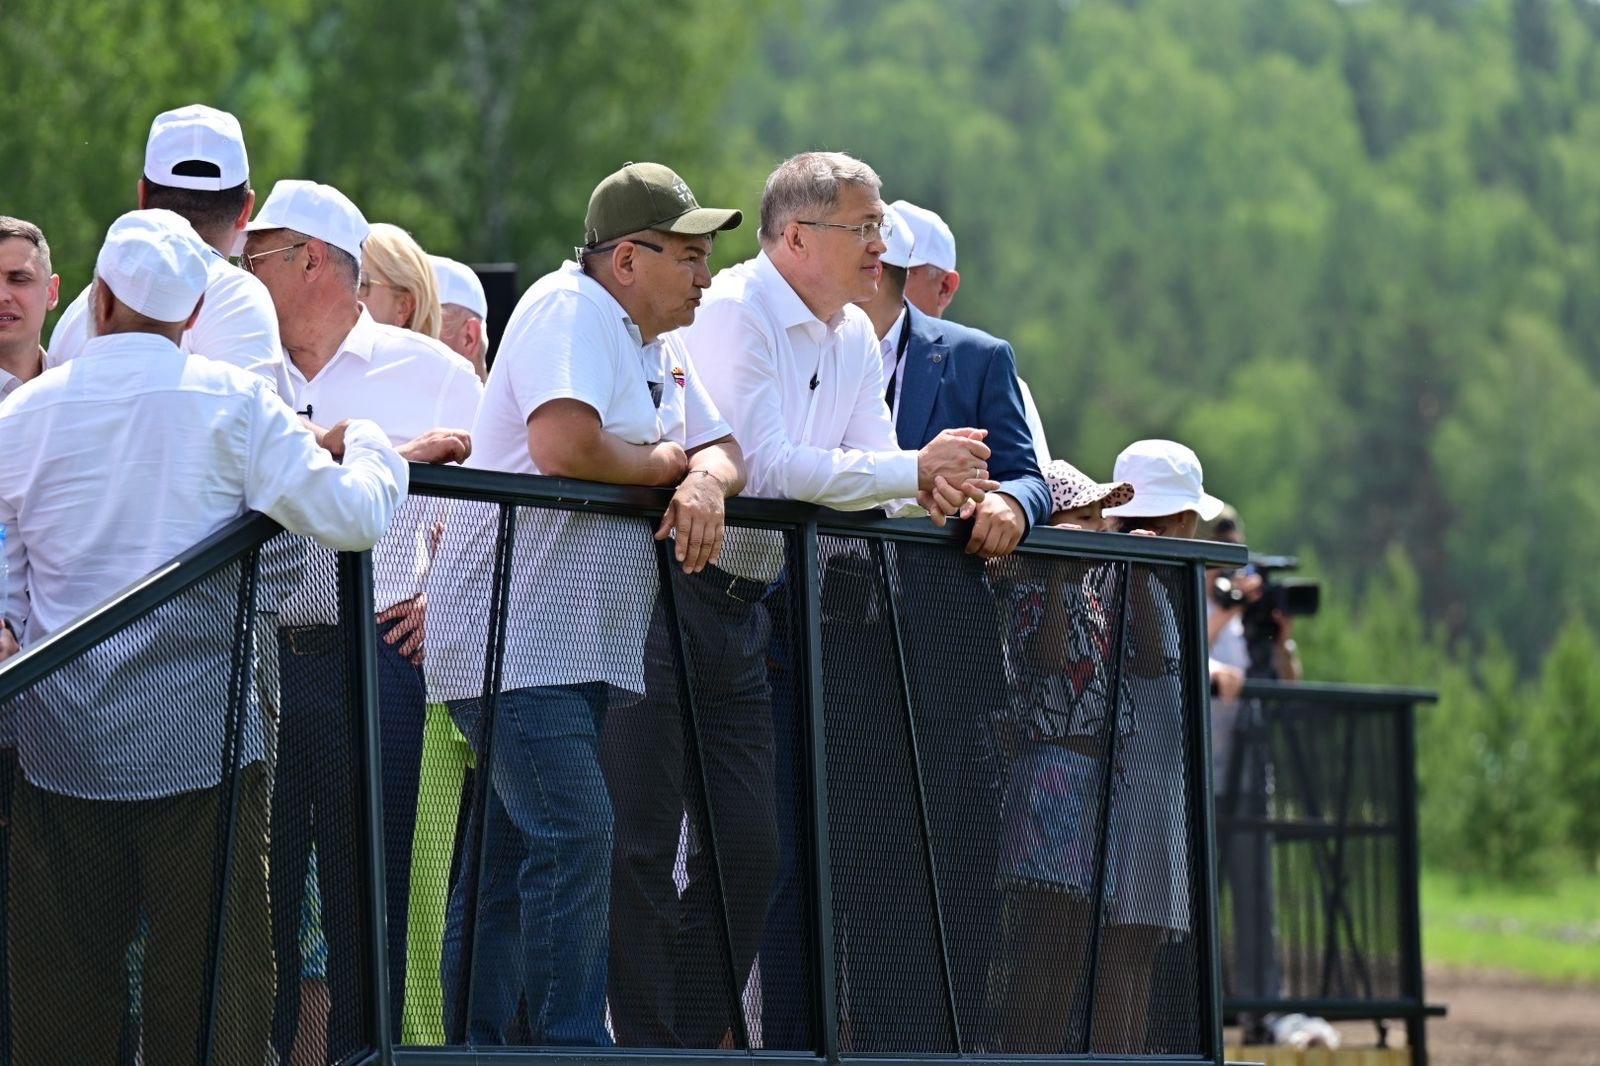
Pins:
x: 649, y: 196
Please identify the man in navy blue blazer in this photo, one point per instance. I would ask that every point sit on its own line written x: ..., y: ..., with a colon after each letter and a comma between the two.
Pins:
x: 943, y: 375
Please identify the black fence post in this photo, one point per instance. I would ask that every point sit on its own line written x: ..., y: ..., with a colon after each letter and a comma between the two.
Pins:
x: 473, y: 862
x: 358, y: 619
x: 808, y: 668
x: 1410, y: 885
x: 1201, y: 812
x: 880, y: 557
x: 1102, y: 850
x: 239, y: 676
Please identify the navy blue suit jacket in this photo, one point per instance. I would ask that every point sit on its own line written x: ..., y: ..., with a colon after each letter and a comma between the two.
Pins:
x: 959, y: 376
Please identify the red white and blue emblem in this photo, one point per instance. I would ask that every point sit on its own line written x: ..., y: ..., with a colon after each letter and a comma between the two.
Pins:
x: 677, y: 375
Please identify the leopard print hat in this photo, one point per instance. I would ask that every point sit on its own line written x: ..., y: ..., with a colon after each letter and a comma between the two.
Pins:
x: 1071, y: 488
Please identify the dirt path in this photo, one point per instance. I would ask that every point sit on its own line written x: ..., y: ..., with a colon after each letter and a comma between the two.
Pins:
x: 1499, y: 1020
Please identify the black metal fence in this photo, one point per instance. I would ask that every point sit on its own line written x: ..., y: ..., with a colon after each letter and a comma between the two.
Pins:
x: 850, y: 793
x: 1317, y: 854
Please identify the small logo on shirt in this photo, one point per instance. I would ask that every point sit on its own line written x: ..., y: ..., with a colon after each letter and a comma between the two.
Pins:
x: 677, y: 375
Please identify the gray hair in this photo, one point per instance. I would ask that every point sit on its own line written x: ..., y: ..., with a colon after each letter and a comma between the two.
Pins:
x: 807, y: 186
x: 27, y: 231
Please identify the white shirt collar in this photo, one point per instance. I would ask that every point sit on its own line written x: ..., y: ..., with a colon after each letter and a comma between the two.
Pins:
x: 126, y: 343
x: 790, y: 308
x: 602, y: 295
x: 891, y: 340
x: 362, y: 336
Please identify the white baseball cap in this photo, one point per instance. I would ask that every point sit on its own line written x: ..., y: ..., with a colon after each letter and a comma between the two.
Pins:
x: 900, y: 240
x: 196, y: 134
x: 1166, y: 479
x: 319, y: 211
x: 459, y: 285
x: 931, y: 240
x: 156, y: 263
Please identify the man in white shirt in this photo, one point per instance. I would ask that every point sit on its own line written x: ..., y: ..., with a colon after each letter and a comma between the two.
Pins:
x: 28, y: 291
x: 591, y: 382
x: 195, y: 164
x: 122, y: 750
x: 794, y: 366
x: 305, y: 247
x: 465, y: 307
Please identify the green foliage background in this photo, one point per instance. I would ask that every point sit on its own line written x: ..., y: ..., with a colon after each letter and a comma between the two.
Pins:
x: 1350, y: 251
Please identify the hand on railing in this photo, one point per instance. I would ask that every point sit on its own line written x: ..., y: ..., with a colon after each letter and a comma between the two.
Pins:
x: 999, y: 527
x: 8, y: 642
x: 438, y: 446
x: 697, y: 512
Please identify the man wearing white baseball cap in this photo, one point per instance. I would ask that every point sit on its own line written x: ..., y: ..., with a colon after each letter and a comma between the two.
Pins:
x: 931, y: 283
x: 466, y: 311
x: 305, y: 245
x: 931, y: 279
x: 195, y: 165
x: 121, y: 773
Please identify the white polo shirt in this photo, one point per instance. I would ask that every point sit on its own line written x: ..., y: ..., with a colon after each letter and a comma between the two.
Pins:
x: 116, y: 463
x: 583, y: 585
x: 238, y: 324
x: 408, y: 384
x: 804, y: 397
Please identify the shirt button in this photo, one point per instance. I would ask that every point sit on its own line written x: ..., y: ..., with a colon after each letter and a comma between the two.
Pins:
x: 938, y: 357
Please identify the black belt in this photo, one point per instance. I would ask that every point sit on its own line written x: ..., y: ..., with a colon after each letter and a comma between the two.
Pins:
x: 735, y: 587
x: 313, y: 640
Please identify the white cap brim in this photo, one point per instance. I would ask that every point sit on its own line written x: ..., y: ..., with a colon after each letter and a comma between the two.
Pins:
x: 1151, y: 505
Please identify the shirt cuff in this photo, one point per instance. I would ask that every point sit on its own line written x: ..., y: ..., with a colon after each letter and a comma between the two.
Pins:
x: 895, y: 475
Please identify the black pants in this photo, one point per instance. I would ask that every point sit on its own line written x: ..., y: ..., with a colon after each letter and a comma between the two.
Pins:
x: 670, y: 984
x: 316, y: 800
x: 8, y: 776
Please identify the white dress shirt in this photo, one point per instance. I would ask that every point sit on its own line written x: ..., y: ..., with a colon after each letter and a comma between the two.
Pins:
x: 890, y: 350
x: 804, y: 396
x: 237, y: 324
x: 9, y: 382
x: 582, y: 585
x: 408, y: 384
x: 115, y: 463
x: 1030, y: 410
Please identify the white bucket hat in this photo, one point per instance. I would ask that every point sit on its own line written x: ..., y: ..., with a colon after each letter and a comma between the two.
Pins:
x: 1166, y: 478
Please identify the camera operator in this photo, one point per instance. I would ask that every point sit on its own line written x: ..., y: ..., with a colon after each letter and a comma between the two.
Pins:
x: 1249, y: 621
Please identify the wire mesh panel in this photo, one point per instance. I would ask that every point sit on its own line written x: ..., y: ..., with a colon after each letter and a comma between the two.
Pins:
x: 1149, y: 985
x: 1309, y: 850
x: 317, y: 831
x: 1060, y: 618
x: 891, y: 979
x: 138, y: 842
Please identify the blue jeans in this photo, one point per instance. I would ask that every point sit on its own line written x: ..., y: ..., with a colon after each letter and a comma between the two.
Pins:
x: 542, y: 902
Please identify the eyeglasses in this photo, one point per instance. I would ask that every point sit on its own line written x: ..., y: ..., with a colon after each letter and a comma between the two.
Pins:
x: 364, y: 286
x: 249, y: 261
x: 866, y: 231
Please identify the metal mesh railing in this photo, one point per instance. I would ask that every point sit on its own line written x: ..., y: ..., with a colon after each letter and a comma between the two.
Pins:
x: 1317, y: 853
x: 521, y: 782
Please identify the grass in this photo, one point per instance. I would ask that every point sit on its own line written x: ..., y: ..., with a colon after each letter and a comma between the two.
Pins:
x: 1551, y: 932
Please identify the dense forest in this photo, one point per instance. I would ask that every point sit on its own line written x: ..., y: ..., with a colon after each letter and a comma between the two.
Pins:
x: 1348, y: 251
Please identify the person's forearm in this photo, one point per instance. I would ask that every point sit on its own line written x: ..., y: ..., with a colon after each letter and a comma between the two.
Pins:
x: 601, y: 456
x: 723, y: 460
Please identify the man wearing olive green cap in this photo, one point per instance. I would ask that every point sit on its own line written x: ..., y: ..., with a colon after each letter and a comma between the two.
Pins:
x: 591, y: 382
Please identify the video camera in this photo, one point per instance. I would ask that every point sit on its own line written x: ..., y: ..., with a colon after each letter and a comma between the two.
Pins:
x: 1294, y: 597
